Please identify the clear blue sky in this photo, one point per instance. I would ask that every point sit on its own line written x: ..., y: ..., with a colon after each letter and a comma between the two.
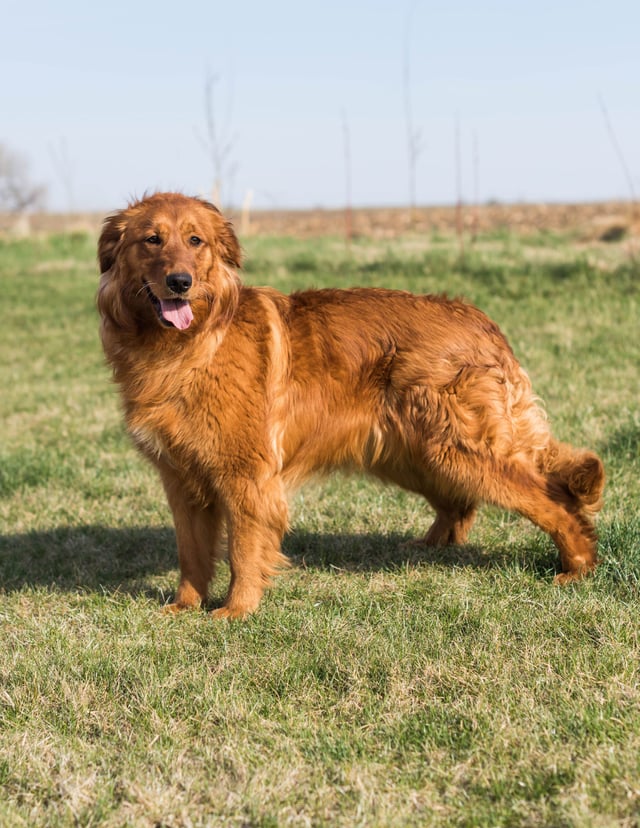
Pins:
x: 119, y: 87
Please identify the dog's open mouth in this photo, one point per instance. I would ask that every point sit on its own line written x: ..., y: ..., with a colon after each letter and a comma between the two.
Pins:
x: 174, y: 313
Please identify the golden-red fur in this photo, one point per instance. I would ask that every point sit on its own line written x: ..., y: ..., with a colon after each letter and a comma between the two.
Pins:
x: 258, y: 390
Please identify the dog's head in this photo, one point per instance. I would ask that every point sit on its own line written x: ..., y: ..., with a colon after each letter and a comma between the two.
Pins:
x: 167, y: 261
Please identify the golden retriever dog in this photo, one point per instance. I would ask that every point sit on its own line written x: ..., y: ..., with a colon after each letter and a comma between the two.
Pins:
x: 237, y: 394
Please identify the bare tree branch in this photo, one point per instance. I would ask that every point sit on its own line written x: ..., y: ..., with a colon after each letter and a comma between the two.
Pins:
x: 415, y: 144
x: 64, y: 168
x: 218, y: 142
x: 348, y: 210
x: 458, y: 166
x: 617, y: 148
x: 17, y: 192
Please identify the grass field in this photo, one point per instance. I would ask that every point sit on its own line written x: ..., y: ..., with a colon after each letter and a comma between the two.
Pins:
x: 375, y: 686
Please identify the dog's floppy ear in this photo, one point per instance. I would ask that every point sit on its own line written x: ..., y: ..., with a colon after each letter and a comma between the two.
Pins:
x: 229, y: 245
x: 112, y: 231
x: 226, y: 240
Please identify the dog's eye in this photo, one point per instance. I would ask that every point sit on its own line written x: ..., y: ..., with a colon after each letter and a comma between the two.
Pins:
x: 154, y: 239
x: 195, y: 241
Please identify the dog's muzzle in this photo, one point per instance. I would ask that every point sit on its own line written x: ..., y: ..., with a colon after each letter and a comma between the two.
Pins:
x: 173, y: 313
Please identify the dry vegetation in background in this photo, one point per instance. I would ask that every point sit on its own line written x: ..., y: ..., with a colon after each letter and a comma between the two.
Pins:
x: 605, y: 221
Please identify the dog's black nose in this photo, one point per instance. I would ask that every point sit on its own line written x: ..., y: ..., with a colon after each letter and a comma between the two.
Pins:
x: 179, y: 282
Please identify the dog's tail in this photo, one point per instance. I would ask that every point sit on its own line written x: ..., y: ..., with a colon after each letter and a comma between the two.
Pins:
x: 580, y: 473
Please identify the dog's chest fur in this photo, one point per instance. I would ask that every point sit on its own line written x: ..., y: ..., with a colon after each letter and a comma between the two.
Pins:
x: 207, y: 414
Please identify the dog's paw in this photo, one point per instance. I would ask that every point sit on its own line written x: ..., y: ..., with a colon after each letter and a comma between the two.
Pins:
x: 174, y: 609
x: 564, y: 578
x: 229, y: 613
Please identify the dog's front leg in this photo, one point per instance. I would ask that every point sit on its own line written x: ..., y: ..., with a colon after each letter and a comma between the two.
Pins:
x: 257, y: 521
x: 198, y: 529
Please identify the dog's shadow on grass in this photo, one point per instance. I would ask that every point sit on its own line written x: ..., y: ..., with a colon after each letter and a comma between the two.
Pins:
x: 87, y: 558
x: 142, y: 561
x: 374, y: 552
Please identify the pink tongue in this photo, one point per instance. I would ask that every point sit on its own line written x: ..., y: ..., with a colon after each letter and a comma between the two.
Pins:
x: 178, y: 312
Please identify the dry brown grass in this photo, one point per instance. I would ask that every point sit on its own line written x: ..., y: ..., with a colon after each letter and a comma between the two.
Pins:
x: 589, y: 221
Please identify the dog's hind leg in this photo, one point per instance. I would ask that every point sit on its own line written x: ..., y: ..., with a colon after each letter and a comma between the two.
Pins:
x: 198, y: 531
x: 548, y: 506
x: 487, y: 440
x: 452, y: 524
x: 471, y: 477
x: 522, y: 488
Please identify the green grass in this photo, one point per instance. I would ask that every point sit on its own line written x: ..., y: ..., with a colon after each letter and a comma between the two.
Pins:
x: 376, y: 685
